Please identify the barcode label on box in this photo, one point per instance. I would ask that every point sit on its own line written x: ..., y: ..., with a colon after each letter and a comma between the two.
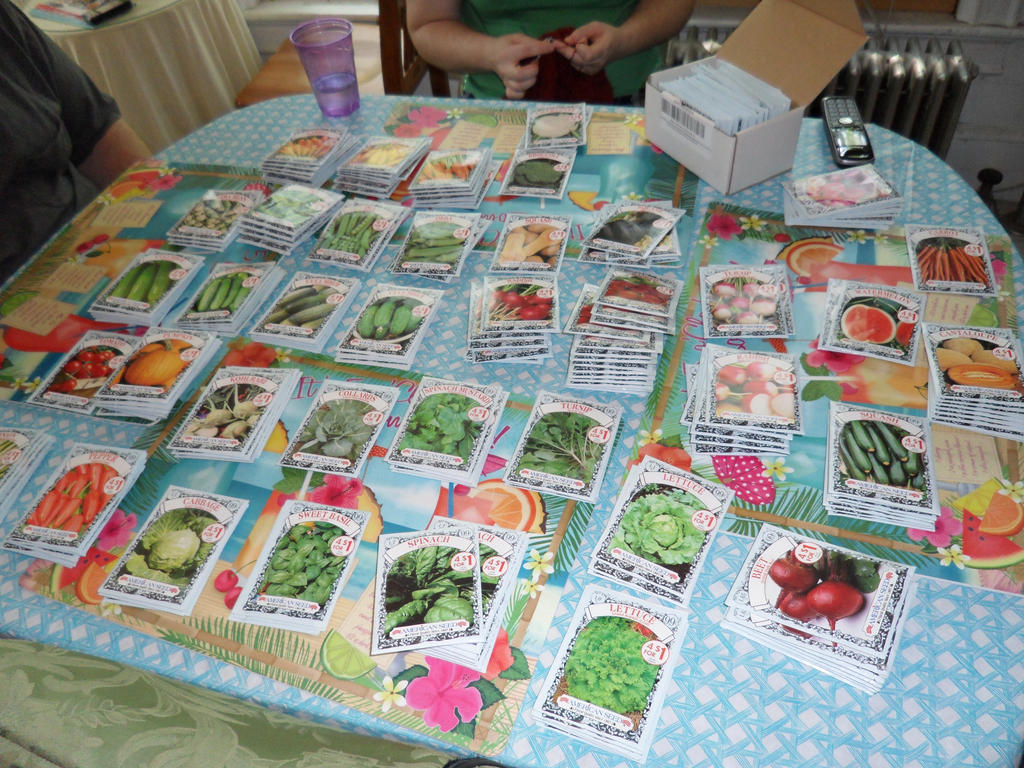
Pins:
x: 690, y: 124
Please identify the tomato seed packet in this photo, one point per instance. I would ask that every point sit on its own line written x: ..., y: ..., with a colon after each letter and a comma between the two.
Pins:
x: 82, y: 372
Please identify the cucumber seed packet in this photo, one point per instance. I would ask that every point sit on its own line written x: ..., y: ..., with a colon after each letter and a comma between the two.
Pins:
x: 306, y: 313
x: 147, y: 288
x: 872, y: 320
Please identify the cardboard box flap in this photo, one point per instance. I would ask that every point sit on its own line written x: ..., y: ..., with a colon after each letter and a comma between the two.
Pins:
x: 796, y: 45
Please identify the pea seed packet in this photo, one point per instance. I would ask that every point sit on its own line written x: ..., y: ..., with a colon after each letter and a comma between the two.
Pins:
x: 358, y: 234
x: 632, y: 228
x: 226, y: 300
x: 561, y: 125
x: 542, y: 173
x: 872, y: 320
x: 565, y: 447
x: 303, y: 567
x: 448, y: 430
x: 607, y: 684
x: 168, y: 562
x: 427, y: 590
x: 233, y: 417
x: 746, y: 302
x: 146, y: 290
x: 950, y: 260
x: 660, y: 530
x: 306, y: 313
x: 21, y: 453
x: 340, y: 427
x: 76, y: 502
x: 438, y: 244
x: 289, y: 216
x: 529, y: 243
x: 213, y: 222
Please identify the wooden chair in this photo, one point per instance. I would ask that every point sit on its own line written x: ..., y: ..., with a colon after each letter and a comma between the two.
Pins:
x: 401, y: 66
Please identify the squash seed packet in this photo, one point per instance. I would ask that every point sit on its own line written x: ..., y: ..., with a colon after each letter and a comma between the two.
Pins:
x: 565, y: 447
x: 302, y: 568
x: 340, y: 427
x: 746, y: 302
x: 438, y: 244
x: 306, y: 313
x: 562, y: 125
x: 950, y: 260
x: 538, y: 173
x: 147, y: 288
x: 632, y: 228
x: 427, y: 590
x: 660, y: 530
x: 530, y: 243
x: 608, y: 681
x: 872, y: 320
x: 171, y: 557
x: 358, y: 234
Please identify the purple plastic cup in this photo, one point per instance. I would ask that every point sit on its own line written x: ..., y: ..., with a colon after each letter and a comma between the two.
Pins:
x: 325, y: 50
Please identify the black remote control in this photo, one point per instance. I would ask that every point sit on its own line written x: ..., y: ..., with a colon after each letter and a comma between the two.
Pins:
x: 847, y: 136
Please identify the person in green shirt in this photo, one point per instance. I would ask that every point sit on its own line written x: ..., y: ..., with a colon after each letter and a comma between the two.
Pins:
x: 498, y: 43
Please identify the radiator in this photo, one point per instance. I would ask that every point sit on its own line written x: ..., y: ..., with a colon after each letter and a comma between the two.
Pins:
x: 916, y: 89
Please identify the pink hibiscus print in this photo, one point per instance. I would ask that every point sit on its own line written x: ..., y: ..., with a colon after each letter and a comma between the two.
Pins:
x: 408, y: 130
x: 442, y: 692
x: 723, y: 225
x: 338, y: 491
x: 998, y: 269
x: 427, y: 115
x: 167, y: 181
x: 117, y: 532
x: 946, y: 527
x: 836, y: 362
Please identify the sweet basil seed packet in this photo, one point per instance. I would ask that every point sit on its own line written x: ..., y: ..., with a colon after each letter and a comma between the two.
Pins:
x: 872, y: 320
x: 302, y: 568
x: 746, y: 301
x: 631, y: 228
x: 608, y: 681
x: 538, y: 173
x: 565, y: 447
x: 80, y: 375
x: 147, y: 288
x: 306, y: 313
x: 427, y: 590
x: 358, y: 233
x: 168, y: 562
x: 340, y: 427
x: 660, y: 530
x: 531, y: 243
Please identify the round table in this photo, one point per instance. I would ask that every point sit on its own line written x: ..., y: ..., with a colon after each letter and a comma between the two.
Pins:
x: 172, y: 65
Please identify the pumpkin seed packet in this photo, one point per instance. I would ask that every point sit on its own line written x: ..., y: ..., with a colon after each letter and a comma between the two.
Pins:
x: 538, y: 173
x: 302, y: 569
x: 168, y: 562
x: 438, y: 244
x: 530, y: 243
x: 950, y: 260
x: 340, y: 427
x: 632, y: 228
x: 148, y: 287
x: 427, y: 590
x: 872, y: 320
x: 306, y: 313
x: 358, y: 233
x: 226, y: 300
x: 660, y: 530
x: 213, y: 222
x: 562, y: 125
x: 746, y: 302
x: 608, y: 681
x: 448, y: 430
x: 565, y: 447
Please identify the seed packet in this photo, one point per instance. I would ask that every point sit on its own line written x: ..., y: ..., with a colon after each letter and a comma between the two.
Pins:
x: 632, y: 228
x: 148, y: 287
x: 22, y: 450
x: 872, y: 320
x: 358, y: 233
x: 746, y: 302
x: 529, y: 243
x: 524, y: 303
x: 306, y: 313
x: 82, y: 372
x: 302, y: 568
x: 288, y: 216
x: 340, y: 427
x: 608, y: 681
x: 950, y: 260
x: 229, y: 295
x: 641, y: 293
x: 438, y: 244
x: 427, y: 590
x: 561, y: 125
x: 212, y: 223
x: 538, y: 173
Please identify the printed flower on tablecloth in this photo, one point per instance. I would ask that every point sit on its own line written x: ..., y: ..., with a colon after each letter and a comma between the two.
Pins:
x: 117, y: 532
x: 97, y: 246
x: 753, y: 223
x: 776, y: 468
x: 391, y: 695
x: 1014, y: 490
x: 538, y: 564
x: 708, y: 241
x: 724, y: 225
x: 501, y: 657
x: 420, y: 121
x: 166, y: 181
x: 251, y: 355
x: 858, y: 236
x: 953, y: 556
x: 444, y: 691
x: 835, y: 362
x: 533, y: 588
x: 947, y: 527
x: 338, y: 491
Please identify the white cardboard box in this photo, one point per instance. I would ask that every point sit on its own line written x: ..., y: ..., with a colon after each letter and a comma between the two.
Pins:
x: 796, y: 45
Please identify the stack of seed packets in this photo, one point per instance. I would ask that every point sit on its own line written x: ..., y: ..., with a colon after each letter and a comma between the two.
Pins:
x: 633, y: 230
x: 834, y: 609
x: 22, y: 450
x: 512, y: 318
x: 302, y: 568
x: 531, y: 243
x: 565, y: 448
x: 438, y: 244
x: 427, y: 591
x: 390, y: 326
x: 167, y: 564
x: 379, y: 165
x: 950, y: 260
x: 233, y: 417
x: 308, y: 156
x: 501, y: 345
x: 872, y: 320
x: 660, y: 530
x: 150, y: 285
x: 76, y: 502
x: 358, y: 233
x: 557, y: 125
x: 448, y: 430
x: 340, y: 428
x: 639, y: 300
x: 858, y: 197
x: 288, y: 217
x: 148, y: 383
x: 501, y: 556
x: 975, y: 379
x: 879, y: 467
x: 746, y: 302
x: 78, y: 376
x: 226, y: 299
x: 306, y: 313
x: 743, y: 402
x: 542, y: 173
x: 213, y: 222
x: 453, y: 178
x: 607, y: 684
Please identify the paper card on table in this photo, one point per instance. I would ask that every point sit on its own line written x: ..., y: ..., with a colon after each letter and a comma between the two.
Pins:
x: 605, y: 137
x: 964, y: 457
x: 507, y: 137
x: 465, y: 134
x: 39, y: 314
x: 74, y: 278
x: 131, y: 215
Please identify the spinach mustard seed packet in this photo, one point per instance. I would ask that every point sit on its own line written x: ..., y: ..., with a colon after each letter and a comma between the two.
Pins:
x: 540, y: 173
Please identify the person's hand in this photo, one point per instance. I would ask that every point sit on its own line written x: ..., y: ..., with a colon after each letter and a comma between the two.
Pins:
x: 590, y: 47
x: 515, y: 62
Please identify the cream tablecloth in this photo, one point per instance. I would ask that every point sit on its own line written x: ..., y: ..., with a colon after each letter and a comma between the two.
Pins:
x: 172, y: 65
